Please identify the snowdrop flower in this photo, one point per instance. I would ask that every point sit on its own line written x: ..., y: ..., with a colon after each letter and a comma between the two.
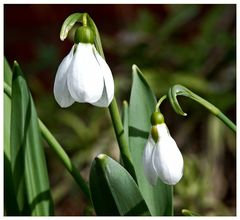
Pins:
x: 161, y: 157
x: 83, y: 75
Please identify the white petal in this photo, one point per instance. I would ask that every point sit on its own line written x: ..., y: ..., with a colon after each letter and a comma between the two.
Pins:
x: 108, y: 91
x: 163, y: 130
x: 103, y: 101
x: 167, y: 158
x: 85, y: 80
x: 149, y: 170
x: 60, y: 88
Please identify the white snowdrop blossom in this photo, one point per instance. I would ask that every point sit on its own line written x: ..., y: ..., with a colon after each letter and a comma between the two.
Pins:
x: 83, y: 76
x: 162, y: 158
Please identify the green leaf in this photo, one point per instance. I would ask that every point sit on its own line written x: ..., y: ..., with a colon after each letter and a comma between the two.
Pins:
x: 113, y: 190
x: 27, y: 155
x: 7, y: 73
x: 7, y: 110
x: 10, y: 202
x: 142, y: 105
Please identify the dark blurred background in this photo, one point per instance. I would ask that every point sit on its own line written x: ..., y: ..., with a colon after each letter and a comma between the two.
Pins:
x: 193, y: 45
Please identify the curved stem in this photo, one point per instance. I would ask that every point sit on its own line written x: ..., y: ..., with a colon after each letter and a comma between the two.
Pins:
x: 215, y: 111
x: 57, y: 148
x: 183, y: 91
x: 160, y: 102
x: 114, y: 112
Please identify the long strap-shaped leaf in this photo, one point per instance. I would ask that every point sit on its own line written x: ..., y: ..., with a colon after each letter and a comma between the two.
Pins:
x: 10, y: 201
x: 113, y: 190
x: 142, y: 105
x: 27, y: 156
x: 50, y: 139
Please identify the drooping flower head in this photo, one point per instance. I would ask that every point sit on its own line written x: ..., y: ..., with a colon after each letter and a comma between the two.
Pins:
x: 161, y: 157
x: 83, y: 75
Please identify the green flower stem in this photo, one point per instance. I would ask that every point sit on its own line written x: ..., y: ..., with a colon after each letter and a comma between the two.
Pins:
x: 63, y: 157
x: 183, y: 91
x: 215, y: 111
x: 56, y: 147
x: 160, y: 102
x: 121, y: 138
x: 114, y: 112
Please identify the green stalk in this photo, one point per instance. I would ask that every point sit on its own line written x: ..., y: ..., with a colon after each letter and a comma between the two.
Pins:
x: 183, y: 91
x: 57, y: 148
x: 160, y: 102
x: 63, y: 157
x: 121, y: 138
x: 114, y: 112
x: 215, y: 111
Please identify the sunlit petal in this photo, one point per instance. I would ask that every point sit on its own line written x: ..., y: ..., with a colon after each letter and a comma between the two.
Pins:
x: 85, y: 80
x: 167, y: 158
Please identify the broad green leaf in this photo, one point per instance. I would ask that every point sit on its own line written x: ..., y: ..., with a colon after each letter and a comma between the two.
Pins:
x: 113, y: 190
x: 27, y: 155
x: 10, y: 202
x: 142, y: 105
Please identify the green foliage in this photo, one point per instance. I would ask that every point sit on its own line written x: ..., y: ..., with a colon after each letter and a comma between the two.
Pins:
x: 113, y: 190
x: 10, y: 202
x: 141, y: 106
x: 192, y: 45
x: 27, y: 160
